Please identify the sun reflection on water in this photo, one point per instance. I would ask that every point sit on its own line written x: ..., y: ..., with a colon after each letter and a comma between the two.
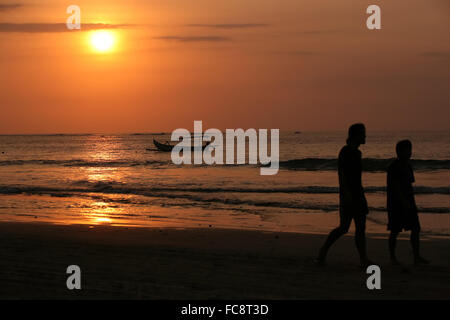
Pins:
x: 103, y: 149
x: 100, y: 212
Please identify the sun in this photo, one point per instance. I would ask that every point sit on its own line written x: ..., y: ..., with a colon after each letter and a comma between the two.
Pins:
x: 102, y: 40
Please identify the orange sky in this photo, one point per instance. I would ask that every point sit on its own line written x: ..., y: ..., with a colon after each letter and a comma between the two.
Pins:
x: 288, y: 64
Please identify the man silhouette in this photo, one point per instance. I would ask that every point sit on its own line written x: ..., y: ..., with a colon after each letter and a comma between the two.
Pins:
x: 401, y: 205
x: 352, y: 201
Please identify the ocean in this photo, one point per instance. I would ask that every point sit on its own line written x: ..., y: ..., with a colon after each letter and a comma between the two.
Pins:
x: 121, y: 179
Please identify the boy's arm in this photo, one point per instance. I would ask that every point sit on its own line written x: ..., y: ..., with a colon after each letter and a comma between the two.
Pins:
x: 396, y: 185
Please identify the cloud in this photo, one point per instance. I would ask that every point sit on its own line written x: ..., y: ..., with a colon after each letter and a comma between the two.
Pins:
x: 194, y: 38
x: 229, y: 25
x: 54, y: 27
x: 301, y: 53
x: 316, y: 32
x: 9, y: 6
x: 436, y: 54
x: 296, y: 53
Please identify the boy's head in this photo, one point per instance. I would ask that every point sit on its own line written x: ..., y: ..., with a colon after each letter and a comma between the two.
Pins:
x: 357, y: 134
x: 404, y: 149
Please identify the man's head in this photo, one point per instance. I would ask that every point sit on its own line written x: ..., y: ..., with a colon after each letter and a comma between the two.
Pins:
x: 404, y: 149
x: 356, y: 134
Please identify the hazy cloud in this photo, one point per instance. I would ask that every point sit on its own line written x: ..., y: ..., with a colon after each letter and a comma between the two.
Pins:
x: 229, y: 25
x: 9, y: 6
x: 436, y: 54
x: 54, y: 27
x: 296, y: 53
x: 301, y: 53
x: 194, y: 38
x: 316, y: 32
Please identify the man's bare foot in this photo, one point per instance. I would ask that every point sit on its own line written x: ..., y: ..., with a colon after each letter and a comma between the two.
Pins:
x: 320, y: 262
x: 420, y: 260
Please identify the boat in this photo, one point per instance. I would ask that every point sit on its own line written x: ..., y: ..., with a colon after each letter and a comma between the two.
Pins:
x: 167, y: 147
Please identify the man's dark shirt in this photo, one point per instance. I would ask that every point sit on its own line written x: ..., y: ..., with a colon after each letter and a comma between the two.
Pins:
x: 350, y: 172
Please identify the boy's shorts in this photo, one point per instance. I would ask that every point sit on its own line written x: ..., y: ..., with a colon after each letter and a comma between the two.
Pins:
x: 399, y: 221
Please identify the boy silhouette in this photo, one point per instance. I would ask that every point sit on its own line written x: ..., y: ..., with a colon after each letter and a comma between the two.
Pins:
x: 352, y: 200
x: 401, y: 205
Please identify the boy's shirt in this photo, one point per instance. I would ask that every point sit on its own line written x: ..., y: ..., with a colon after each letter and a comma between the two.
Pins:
x: 400, y: 192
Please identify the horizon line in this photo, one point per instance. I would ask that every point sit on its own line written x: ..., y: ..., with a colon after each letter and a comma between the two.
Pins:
x: 164, y: 132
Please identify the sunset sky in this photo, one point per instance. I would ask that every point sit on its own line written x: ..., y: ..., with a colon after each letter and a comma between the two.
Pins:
x: 288, y: 64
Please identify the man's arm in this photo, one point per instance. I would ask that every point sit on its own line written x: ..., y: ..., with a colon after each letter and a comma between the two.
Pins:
x: 346, y: 190
x: 345, y: 180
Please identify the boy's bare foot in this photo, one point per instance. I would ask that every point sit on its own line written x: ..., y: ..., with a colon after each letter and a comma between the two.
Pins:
x: 365, y: 263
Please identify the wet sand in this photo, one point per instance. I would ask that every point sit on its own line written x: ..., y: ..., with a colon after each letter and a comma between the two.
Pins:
x: 140, y: 263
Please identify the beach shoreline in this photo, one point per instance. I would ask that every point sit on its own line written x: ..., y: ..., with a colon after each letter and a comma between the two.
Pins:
x: 208, y: 263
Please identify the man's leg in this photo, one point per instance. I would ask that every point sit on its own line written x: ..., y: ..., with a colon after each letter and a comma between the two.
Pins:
x: 360, y: 239
x: 392, y: 245
x: 334, y: 235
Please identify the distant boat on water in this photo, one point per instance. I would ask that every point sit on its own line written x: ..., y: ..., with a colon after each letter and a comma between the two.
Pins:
x: 167, y: 147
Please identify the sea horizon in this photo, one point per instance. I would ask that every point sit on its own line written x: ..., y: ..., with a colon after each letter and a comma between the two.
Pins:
x: 124, y: 180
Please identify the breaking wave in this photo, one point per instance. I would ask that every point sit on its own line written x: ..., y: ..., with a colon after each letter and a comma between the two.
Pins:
x: 369, y: 164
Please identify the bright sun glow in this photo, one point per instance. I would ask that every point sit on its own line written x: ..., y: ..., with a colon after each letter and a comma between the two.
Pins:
x: 102, y: 41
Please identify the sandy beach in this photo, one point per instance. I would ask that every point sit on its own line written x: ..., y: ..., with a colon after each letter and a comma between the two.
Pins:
x: 167, y: 263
